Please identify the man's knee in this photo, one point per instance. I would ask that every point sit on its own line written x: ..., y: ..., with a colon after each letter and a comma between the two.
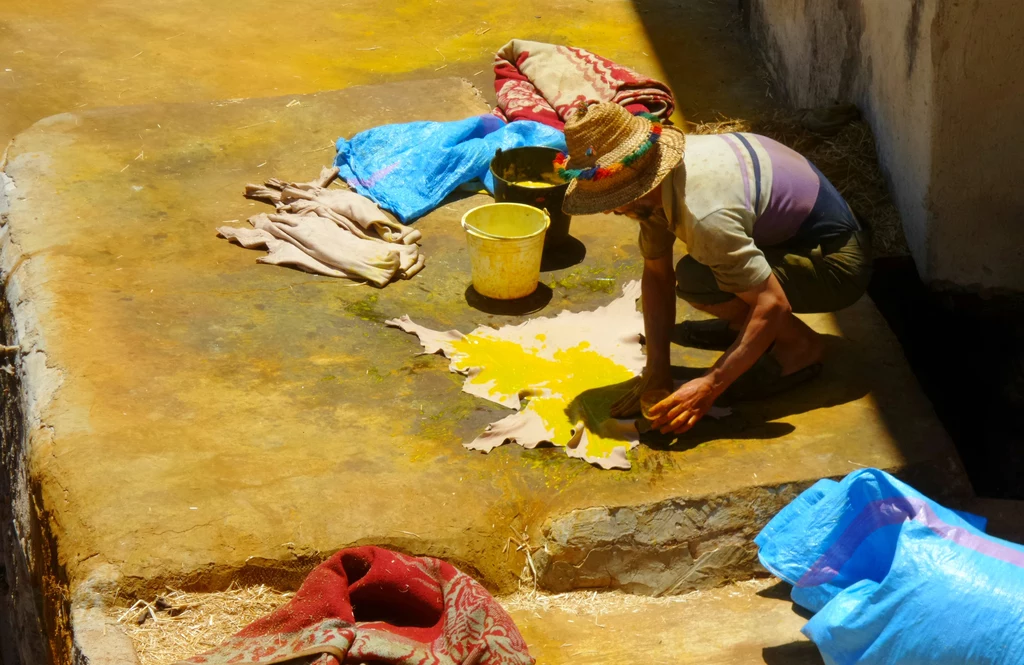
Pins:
x: 695, y: 283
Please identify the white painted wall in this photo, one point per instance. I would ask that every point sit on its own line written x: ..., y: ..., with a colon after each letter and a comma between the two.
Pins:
x: 942, y: 84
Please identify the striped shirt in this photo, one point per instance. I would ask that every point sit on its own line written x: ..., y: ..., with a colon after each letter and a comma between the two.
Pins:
x: 734, y: 193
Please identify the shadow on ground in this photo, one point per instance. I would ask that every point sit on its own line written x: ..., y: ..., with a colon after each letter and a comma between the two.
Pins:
x: 708, y: 63
x: 748, y: 420
x: 794, y: 653
x: 760, y: 420
x: 968, y: 354
x: 531, y: 304
x: 570, y: 252
x: 778, y: 591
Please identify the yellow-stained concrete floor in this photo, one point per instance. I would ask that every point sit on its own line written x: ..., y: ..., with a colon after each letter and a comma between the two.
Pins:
x: 746, y: 623
x: 194, y: 414
x: 198, y: 410
x: 69, y: 55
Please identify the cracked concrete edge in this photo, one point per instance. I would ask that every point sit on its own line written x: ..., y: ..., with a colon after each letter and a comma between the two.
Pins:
x: 289, y: 572
x: 30, y: 550
x: 663, y: 548
x: 40, y: 381
x: 98, y: 640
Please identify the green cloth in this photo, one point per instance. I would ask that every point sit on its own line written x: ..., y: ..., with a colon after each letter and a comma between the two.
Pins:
x: 825, y: 278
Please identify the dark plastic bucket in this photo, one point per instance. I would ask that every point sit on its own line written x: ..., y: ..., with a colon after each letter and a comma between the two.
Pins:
x: 537, y: 165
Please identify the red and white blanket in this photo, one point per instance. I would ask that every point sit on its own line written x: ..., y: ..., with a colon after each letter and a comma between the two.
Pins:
x: 370, y: 605
x: 545, y: 82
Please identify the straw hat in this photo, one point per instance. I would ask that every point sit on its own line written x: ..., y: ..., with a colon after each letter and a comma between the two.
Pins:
x: 614, y: 157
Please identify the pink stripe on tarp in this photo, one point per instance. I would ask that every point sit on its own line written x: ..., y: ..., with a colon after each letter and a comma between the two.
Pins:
x: 737, y: 150
x: 892, y: 511
x: 370, y: 182
x: 985, y: 545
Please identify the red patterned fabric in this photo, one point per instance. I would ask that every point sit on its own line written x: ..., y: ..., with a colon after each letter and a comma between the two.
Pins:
x: 545, y: 82
x: 369, y: 605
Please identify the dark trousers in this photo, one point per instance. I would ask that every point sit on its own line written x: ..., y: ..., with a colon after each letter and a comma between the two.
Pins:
x: 825, y: 278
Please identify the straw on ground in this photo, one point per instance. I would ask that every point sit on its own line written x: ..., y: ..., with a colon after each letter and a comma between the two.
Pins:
x: 207, y: 619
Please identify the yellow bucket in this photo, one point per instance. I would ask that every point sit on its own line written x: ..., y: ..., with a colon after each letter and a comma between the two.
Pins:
x: 506, y: 241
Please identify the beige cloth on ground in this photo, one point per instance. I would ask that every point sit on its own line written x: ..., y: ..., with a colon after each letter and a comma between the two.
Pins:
x: 333, y: 232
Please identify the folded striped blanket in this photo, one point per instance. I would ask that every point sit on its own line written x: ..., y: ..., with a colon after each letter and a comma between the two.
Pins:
x: 545, y: 82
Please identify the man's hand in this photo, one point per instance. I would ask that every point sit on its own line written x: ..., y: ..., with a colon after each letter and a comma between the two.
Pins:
x: 682, y: 409
x: 629, y: 404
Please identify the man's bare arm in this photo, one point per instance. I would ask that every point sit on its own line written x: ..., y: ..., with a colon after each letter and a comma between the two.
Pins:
x: 769, y: 309
x: 658, y: 296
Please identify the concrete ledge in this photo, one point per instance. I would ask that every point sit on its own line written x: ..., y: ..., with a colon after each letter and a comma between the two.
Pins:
x: 749, y: 622
x: 244, y: 421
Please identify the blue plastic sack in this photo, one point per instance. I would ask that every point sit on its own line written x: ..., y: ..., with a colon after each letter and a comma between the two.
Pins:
x: 951, y: 597
x: 410, y: 168
x: 836, y: 534
x: 895, y: 578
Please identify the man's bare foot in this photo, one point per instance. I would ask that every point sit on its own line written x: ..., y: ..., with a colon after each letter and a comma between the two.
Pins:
x: 796, y: 354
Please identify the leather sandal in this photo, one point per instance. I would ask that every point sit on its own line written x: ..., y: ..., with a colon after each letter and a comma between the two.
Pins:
x: 765, y: 379
x: 711, y: 334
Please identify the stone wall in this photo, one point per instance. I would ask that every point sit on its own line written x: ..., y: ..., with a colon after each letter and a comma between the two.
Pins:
x: 940, y: 83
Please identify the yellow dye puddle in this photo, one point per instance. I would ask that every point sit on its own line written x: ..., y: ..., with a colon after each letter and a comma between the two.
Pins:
x: 535, y: 184
x: 558, y: 388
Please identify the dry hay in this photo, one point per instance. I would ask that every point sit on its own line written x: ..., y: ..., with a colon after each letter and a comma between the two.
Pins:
x: 179, y: 625
x: 848, y: 159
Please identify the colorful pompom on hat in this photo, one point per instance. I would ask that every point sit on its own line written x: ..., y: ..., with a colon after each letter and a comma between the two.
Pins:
x: 614, y: 157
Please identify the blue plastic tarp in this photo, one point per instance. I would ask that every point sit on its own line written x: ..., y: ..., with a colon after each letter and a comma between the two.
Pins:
x: 410, y: 168
x: 896, y: 578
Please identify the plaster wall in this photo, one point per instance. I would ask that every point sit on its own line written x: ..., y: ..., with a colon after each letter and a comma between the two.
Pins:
x: 936, y: 81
